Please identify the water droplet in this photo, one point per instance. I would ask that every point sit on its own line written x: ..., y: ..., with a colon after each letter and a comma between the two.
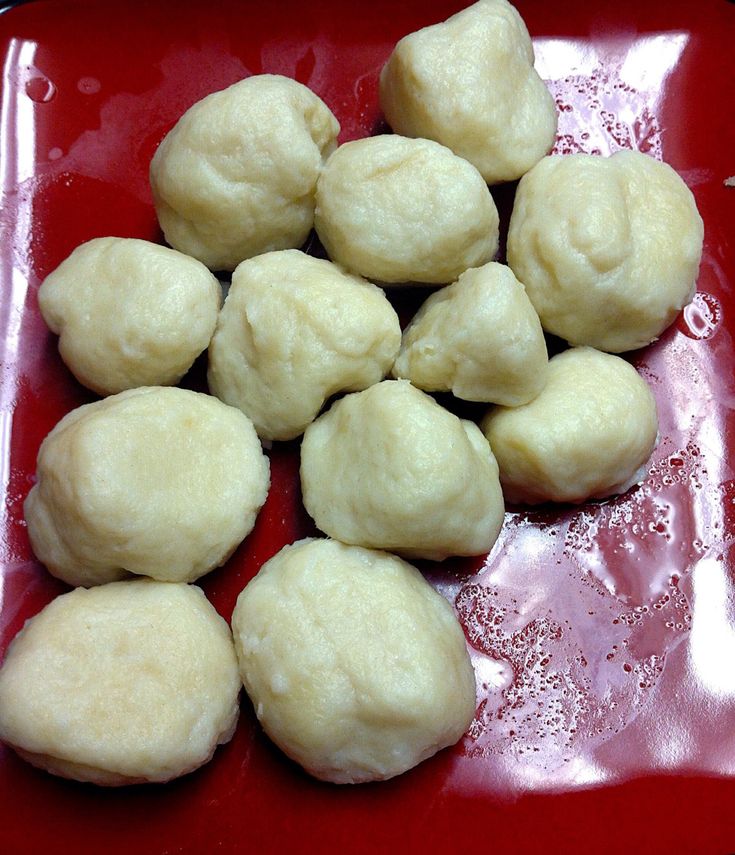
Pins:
x: 88, y: 85
x: 701, y: 317
x: 55, y: 153
x: 40, y: 89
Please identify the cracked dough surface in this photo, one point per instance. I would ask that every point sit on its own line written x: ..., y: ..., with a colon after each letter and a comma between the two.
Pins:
x: 127, y: 683
x: 469, y: 83
x: 295, y: 330
x: 588, y: 435
x: 356, y: 667
x: 236, y: 175
x: 129, y: 313
x: 156, y: 481
x: 479, y: 338
x: 607, y: 247
x: 388, y: 468
x: 400, y: 210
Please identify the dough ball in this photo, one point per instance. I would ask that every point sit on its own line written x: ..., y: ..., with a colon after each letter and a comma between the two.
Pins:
x: 127, y: 683
x: 156, y: 481
x: 294, y: 331
x: 389, y: 468
x: 469, y: 83
x: 236, y: 175
x: 356, y: 667
x: 400, y: 210
x: 479, y: 338
x: 588, y: 435
x: 129, y: 313
x: 607, y: 247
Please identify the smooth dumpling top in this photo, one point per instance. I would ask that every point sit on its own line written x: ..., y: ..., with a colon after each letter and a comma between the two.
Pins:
x: 129, y: 313
x: 236, y: 175
x: 157, y: 481
x: 470, y: 84
x: 588, y: 435
x: 389, y: 468
x: 356, y: 667
x: 127, y: 683
x: 295, y: 330
x: 479, y: 338
x: 400, y: 210
x: 607, y: 247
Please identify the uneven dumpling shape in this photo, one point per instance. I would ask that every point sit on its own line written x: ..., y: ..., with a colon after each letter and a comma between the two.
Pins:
x: 295, y: 330
x: 129, y: 313
x: 128, y: 683
x: 470, y: 84
x: 389, y: 468
x: 236, y: 175
x: 156, y: 481
x: 399, y: 210
x: 479, y: 338
x: 607, y: 247
x: 588, y: 435
x: 357, y: 668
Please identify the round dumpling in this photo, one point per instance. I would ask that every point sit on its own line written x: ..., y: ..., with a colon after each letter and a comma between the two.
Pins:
x: 470, y: 84
x: 295, y: 330
x: 156, y: 481
x: 389, y: 468
x: 236, y: 175
x: 398, y: 210
x: 479, y: 338
x: 356, y: 667
x: 607, y: 247
x: 129, y: 313
x: 588, y: 435
x: 128, y: 683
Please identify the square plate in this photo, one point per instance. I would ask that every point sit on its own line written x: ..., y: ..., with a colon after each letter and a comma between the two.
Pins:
x: 603, y: 636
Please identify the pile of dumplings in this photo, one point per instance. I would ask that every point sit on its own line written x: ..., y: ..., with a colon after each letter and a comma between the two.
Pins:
x: 355, y: 666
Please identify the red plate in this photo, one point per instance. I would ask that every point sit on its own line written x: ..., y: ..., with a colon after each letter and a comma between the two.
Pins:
x: 603, y: 636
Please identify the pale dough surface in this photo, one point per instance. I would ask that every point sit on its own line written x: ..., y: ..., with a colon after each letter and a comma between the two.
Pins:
x: 479, y: 338
x: 295, y: 330
x: 157, y: 481
x: 400, y: 210
x: 588, y: 435
x: 356, y: 667
x: 389, y: 468
x: 129, y: 313
x: 236, y: 175
x: 131, y: 682
x: 469, y: 83
x: 607, y: 247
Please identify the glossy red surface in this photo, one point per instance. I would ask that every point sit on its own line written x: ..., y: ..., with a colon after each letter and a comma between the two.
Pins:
x: 603, y: 636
